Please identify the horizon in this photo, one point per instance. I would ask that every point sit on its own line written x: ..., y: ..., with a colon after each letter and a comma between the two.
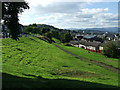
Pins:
x: 71, y: 28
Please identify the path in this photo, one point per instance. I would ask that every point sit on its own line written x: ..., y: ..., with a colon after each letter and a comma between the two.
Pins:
x: 109, y: 67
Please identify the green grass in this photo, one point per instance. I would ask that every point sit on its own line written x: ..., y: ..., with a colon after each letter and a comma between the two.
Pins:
x: 33, y: 60
x: 56, y: 40
x: 94, y: 56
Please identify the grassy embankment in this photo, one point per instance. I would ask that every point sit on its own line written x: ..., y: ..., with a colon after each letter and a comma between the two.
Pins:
x: 94, y: 56
x: 31, y: 62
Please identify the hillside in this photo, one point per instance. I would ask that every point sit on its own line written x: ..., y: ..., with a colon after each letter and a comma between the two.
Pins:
x: 44, y: 25
x: 106, y: 29
x: 31, y: 62
x: 91, y: 55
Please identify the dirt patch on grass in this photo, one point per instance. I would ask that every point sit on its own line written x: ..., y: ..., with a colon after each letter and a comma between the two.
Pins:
x: 110, y: 60
x: 74, y: 73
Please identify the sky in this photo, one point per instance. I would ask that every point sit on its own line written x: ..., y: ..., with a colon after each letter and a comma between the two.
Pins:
x: 66, y: 14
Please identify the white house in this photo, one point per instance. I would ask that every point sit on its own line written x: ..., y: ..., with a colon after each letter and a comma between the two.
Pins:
x: 91, y: 46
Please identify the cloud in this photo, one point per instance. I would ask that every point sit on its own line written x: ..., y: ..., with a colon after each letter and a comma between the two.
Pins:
x: 98, y: 10
x: 58, y: 8
x: 39, y: 2
x: 50, y: 1
x: 67, y: 15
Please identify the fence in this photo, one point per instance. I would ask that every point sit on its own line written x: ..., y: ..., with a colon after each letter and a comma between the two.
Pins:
x: 96, y: 51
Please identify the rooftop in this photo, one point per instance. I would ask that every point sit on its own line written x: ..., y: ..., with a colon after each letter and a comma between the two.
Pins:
x: 89, y: 36
x: 95, y: 44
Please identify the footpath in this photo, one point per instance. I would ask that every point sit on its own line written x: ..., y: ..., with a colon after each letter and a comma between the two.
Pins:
x: 101, y: 64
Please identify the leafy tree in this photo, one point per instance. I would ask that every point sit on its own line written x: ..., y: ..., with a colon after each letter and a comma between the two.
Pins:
x: 10, y: 11
x: 110, y: 50
x: 40, y: 31
x: 35, y: 30
x: 45, y: 30
x: 66, y: 37
x: 31, y: 29
x: 49, y: 35
x: 28, y: 30
x: 56, y: 34
x: 35, y: 24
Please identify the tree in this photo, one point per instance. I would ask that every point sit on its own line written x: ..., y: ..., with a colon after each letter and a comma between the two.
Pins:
x: 49, y: 35
x: 55, y: 34
x: 110, y: 50
x: 28, y: 30
x: 10, y: 11
x: 34, y: 24
x: 31, y: 29
x: 35, y: 30
x: 45, y: 30
x: 66, y: 37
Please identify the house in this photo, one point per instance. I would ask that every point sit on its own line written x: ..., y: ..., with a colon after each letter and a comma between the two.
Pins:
x: 90, y: 46
x: 78, y: 37
x: 74, y: 43
x: 116, y: 37
x: 89, y: 38
x: 92, y: 38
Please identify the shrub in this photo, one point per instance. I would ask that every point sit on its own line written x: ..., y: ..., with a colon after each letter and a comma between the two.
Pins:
x: 110, y: 50
x: 49, y: 35
x: 66, y: 37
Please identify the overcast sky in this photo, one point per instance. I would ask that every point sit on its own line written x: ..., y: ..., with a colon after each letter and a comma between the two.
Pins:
x: 71, y: 14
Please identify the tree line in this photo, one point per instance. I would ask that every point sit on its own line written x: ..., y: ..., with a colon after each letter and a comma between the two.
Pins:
x: 62, y: 35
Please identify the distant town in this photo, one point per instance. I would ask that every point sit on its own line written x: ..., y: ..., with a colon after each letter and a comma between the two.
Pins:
x: 93, y: 40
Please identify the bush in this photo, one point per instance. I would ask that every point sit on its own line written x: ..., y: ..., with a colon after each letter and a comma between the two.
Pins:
x: 27, y: 30
x: 66, y: 37
x: 31, y: 29
x: 68, y: 44
x: 45, y: 30
x: 49, y: 35
x: 110, y: 50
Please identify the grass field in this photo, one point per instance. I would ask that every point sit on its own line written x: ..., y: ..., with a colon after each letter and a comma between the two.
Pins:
x: 31, y: 62
x: 94, y: 56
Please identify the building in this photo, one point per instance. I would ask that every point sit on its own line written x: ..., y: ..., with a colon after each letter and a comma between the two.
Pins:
x: 90, y: 46
x: 78, y: 37
x: 92, y: 38
x: 89, y: 38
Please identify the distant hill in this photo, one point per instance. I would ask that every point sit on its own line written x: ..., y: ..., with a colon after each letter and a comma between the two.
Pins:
x: 44, y: 25
x: 108, y: 29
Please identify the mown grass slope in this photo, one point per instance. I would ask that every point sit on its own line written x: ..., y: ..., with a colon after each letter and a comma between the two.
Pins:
x: 33, y: 60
